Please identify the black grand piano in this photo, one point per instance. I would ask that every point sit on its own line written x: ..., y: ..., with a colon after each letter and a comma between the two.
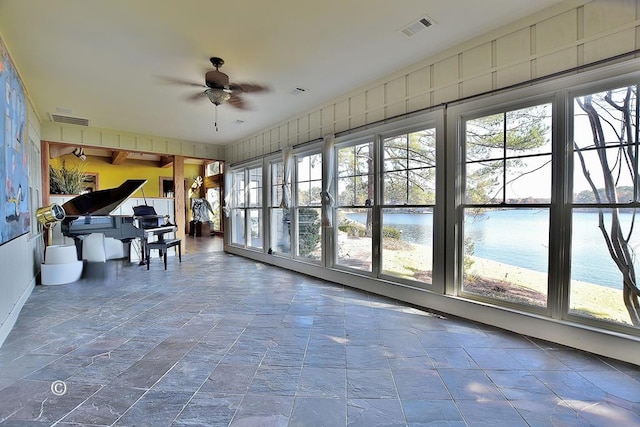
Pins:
x: 90, y: 213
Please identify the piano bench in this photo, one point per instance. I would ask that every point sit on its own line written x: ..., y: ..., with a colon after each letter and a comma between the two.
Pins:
x: 162, y: 246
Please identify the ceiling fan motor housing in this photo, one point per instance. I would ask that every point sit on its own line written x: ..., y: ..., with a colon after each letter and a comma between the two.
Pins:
x: 216, y: 79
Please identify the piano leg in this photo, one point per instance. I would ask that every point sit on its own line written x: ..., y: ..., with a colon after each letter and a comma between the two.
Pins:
x: 143, y: 250
x: 147, y: 253
x: 126, y: 245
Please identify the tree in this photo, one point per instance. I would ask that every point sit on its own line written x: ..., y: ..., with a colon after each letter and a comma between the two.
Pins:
x: 498, y: 148
x: 612, y: 118
x: 501, y: 151
x: 409, y: 172
x: 308, y: 231
x: 355, y: 179
x: 409, y: 169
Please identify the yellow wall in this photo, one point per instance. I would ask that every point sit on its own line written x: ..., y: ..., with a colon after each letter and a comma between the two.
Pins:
x: 110, y: 176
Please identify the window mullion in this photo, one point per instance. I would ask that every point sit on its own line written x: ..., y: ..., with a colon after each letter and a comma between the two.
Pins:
x: 504, y: 158
x: 376, y: 204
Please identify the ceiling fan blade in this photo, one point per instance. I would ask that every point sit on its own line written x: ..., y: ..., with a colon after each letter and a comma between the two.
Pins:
x: 172, y: 80
x: 248, y: 87
x: 237, y: 102
x: 197, y: 96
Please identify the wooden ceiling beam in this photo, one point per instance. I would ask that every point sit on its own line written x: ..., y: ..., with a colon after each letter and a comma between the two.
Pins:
x: 165, y: 161
x: 118, y: 157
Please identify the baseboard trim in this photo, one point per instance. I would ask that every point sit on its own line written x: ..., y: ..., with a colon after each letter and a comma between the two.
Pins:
x: 12, y: 318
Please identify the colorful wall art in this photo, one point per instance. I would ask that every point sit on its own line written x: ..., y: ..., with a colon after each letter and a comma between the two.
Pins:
x: 15, y: 218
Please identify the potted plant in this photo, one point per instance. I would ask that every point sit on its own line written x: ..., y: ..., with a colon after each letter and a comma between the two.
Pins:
x: 65, y: 180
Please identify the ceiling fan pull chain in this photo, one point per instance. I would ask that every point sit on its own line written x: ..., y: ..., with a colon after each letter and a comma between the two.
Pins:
x: 215, y: 122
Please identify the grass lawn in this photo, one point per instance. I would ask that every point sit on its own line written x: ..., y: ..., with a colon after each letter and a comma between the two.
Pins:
x: 495, y: 280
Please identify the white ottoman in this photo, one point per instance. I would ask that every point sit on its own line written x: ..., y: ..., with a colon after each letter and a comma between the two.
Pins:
x: 61, y: 265
x: 93, y: 249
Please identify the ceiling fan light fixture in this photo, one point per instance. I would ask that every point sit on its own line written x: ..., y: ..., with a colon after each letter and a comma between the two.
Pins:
x: 217, y: 96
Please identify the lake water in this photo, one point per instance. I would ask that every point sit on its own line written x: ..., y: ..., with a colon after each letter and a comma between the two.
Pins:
x: 520, y: 237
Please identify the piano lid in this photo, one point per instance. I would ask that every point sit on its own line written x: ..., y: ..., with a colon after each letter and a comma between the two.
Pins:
x: 102, y: 202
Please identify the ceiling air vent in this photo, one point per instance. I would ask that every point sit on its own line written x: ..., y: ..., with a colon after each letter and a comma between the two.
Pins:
x: 417, y: 26
x: 69, y: 120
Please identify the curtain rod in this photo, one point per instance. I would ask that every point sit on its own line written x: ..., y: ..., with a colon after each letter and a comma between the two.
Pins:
x: 530, y: 82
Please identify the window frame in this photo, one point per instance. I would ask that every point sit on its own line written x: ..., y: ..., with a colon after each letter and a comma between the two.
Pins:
x: 246, y: 205
x: 348, y: 143
x: 296, y: 206
x: 430, y: 120
x: 484, y: 108
x: 568, y: 96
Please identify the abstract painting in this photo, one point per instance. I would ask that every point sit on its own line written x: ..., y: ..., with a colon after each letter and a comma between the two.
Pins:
x: 15, y: 217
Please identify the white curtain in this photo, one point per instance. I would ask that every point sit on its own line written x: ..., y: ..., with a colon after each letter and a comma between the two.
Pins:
x: 327, y: 166
x: 227, y: 194
x: 287, y: 161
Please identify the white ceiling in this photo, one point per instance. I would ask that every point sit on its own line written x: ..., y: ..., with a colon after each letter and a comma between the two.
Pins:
x: 111, y: 61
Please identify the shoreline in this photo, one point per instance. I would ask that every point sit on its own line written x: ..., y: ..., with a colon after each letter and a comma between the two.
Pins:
x: 586, y: 299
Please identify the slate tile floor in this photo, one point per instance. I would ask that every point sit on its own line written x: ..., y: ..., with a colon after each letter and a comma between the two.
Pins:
x: 220, y: 340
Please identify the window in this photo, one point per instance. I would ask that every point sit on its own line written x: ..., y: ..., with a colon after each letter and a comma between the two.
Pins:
x: 308, y: 181
x: 506, y: 209
x: 214, y: 168
x: 214, y: 199
x: 605, y: 205
x: 254, y: 213
x: 388, y: 179
x: 246, y: 212
x: 90, y: 183
x: 354, y: 206
x: 238, y: 226
x: 408, y: 188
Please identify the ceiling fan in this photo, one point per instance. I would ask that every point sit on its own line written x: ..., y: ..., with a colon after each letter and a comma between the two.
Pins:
x: 220, y: 90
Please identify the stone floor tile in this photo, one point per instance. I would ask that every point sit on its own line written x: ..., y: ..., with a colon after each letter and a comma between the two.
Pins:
x: 209, y: 409
x: 371, y: 384
x: 267, y: 410
x: 221, y: 340
x: 275, y: 380
x: 488, y: 358
x: 615, y: 383
x: 318, y: 412
x: 375, y: 412
x: 469, y: 384
x: 420, y: 385
x: 322, y: 382
x: 230, y: 379
x: 367, y: 357
x: 105, y: 407
x: 155, y: 408
x: 541, y: 412
x: 451, y: 358
x: 488, y: 413
x: 432, y: 413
